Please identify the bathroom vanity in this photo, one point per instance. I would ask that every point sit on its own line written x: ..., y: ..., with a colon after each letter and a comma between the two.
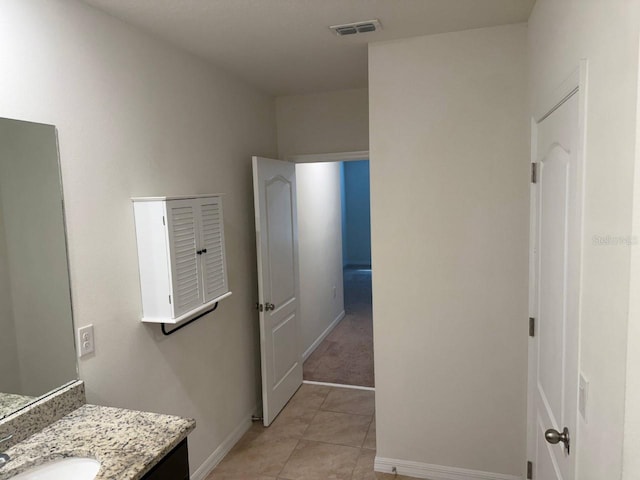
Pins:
x: 175, y: 466
x: 129, y: 445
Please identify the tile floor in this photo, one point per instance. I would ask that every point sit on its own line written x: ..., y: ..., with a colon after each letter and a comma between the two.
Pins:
x: 323, y: 433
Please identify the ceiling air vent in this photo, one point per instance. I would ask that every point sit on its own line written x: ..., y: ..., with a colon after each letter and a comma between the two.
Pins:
x: 356, y: 27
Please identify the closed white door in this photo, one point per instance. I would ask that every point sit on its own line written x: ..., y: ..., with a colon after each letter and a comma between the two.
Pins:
x: 557, y: 240
x: 274, y: 184
x: 183, y: 241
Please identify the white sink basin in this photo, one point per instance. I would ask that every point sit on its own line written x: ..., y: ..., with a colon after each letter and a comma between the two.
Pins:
x: 66, y: 468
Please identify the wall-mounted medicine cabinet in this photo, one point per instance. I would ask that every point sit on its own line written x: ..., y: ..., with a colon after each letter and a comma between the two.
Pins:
x: 181, y: 256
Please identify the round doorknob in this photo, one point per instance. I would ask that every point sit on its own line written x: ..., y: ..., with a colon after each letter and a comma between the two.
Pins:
x: 269, y: 306
x: 553, y: 436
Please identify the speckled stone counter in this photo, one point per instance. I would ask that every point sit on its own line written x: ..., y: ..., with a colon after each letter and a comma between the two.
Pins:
x: 41, y: 413
x: 10, y: 402
x: 126, y: 443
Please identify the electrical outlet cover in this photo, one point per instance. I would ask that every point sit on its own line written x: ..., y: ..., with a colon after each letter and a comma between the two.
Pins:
x: 86, y: 341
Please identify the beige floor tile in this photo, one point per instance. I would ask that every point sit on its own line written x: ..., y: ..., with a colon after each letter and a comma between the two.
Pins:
x: 338, y: 428
x: 391, y: 476
x: 291, y: 423
x: 347, y: 400
x: 364, y: 469
x: 242, y: 476
x: 320, y: 461
x: 370, y: 439
x: 364, y: 466
x: 257, y: 455
x: 311, y: 396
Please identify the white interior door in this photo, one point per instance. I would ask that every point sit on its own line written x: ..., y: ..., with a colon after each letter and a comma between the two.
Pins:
x: 553, y: 382
x: 274, y: 186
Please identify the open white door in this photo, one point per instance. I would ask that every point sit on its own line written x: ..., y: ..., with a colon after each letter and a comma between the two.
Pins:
x: 556, y: 259
x: 274, y: 191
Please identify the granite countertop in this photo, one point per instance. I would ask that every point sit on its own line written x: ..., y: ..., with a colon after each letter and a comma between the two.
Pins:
x: 127, y: 443
x: 10, y: 402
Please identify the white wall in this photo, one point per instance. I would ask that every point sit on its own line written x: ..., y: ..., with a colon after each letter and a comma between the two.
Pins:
x: 137, y: 117
x: 323, y: 122
x: 319, y: 248
x: 606, y: 33
x: 36, y: 252
x: 9, y: 363
x: 449, y: 197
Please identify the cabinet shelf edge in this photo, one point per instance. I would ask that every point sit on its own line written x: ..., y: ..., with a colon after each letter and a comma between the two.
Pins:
x: 189, y: 315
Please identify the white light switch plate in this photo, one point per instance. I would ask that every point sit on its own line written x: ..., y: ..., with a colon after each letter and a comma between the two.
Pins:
x: 86, y: 341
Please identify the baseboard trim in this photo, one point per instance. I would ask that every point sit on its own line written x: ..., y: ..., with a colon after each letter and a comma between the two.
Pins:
x: 339, y: 385
x: 322, y: 336
x: 435, y: 472
x: 227, y: 444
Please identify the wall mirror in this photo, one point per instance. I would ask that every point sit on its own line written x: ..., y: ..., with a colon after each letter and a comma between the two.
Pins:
x: 37, y: 352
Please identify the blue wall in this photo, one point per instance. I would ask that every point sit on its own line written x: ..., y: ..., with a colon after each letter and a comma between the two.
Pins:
x: 356, y: 216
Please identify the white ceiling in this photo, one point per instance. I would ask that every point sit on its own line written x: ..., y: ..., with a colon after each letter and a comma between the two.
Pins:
x: 284, y: 46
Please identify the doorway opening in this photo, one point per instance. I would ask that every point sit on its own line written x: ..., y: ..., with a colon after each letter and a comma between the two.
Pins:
x: 335, y: 272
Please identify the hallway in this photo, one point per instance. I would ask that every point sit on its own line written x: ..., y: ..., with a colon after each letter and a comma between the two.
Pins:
x: 322, y: 433
x: 346, y: 356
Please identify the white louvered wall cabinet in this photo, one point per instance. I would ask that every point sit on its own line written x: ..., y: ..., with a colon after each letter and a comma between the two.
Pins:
x: 181, y: 256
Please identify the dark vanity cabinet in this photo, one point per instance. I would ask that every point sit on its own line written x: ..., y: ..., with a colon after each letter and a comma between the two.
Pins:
x: 175, y: 466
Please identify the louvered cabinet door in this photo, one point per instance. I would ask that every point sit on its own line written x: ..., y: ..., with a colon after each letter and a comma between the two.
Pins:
x: 214, y: 268
x: 182, y: 230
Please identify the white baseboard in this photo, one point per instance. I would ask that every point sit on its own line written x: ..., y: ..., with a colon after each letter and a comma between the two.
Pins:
x: 435, y: 472
x: 338, y: 385
x: 227, y: 444
x: 324, y: 334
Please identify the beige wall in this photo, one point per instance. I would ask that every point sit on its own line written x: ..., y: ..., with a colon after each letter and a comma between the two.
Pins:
x: 36, y: 252
x: 449, y: 195
x: 606, y: 34
x: 323, y: 122
x: 135, y: 118
x: 320, y: 248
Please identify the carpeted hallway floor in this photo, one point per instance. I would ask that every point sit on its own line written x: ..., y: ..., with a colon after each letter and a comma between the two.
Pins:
x: 346, y: 355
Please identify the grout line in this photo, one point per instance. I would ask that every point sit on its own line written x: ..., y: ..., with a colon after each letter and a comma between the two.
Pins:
x: 334, y: 444
x: 349, y: 413
x: 314, y: 416
x: 289, y: 457
x: 301, y: 436
x: 373, y: 417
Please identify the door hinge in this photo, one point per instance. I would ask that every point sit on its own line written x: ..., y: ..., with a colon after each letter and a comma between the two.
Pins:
x: 169, y: 298
x: 529, y: 470
x: 534, y: 173
x: 163, y: 220
x: 532, y: 327
x: 260, y: 307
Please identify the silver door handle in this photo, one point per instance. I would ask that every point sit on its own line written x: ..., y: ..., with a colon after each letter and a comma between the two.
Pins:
x: 553, y: 436
x: 269, y: 306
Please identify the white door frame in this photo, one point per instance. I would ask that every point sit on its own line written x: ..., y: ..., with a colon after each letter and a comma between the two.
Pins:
x: 329, y: 157
x: 350, y: 156
x: 575, y: 84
